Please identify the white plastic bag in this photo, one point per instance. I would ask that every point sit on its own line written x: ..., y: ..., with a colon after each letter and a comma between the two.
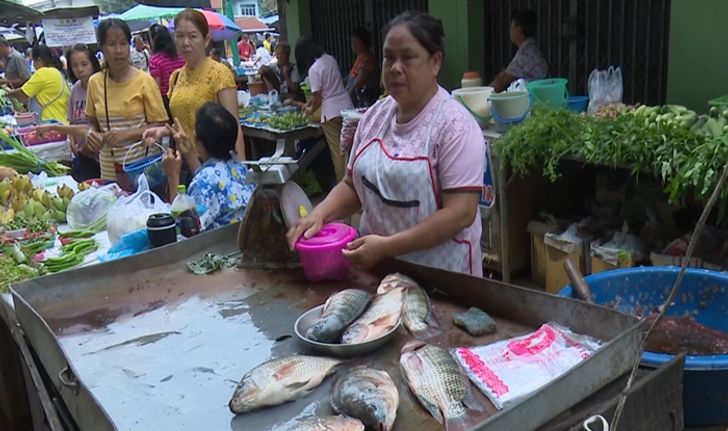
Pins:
x: 130, y: 213
x: 89, y: 208
x: 509, y: 370
x: 605, y: 87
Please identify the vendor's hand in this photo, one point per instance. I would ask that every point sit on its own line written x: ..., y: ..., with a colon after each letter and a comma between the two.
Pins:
x: 154, y: 135
x: 171, y: 163
x: 115, y: 138
x: 367, y: 251
x: 94, y: 141
x: 305, y: 226
x: 181, y: 140
x: 44, y: 129
x: 307, y: 109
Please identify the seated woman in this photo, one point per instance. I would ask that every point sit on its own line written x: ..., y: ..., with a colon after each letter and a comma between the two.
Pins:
x: 219, y: 181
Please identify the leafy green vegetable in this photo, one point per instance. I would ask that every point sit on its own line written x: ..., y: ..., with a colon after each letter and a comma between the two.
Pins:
x: 688, y: 163
x: 11, y: 272
x: 211, y: 262
x: 24, y: 160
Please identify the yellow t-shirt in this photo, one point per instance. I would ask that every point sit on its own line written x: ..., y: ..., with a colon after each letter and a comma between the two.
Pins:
x: 189, y: 89
x: 267, y: 45
x: 131, y: 104
x: 49, y: 88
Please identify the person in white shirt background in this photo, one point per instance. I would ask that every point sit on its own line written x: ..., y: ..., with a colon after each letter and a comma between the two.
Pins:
x: 139, y: 55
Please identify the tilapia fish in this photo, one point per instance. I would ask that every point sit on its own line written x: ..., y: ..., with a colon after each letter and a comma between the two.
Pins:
x: 328, y: 423
x: 367, y: 394
x: 280, y: 380
x: 380, y: 318
x: 340, y: 310
x: 417, y: 314
x: 436, y: 380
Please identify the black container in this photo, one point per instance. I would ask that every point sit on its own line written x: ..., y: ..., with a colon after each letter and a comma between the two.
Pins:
x: 161, y: 230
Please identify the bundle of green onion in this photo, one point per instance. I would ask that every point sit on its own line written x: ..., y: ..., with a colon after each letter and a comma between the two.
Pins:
x: 23, y: 160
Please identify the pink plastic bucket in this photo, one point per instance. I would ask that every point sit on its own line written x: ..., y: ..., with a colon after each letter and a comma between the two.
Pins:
x: 321, y: 255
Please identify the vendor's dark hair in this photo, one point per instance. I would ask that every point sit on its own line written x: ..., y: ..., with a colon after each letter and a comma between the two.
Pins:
x: 162, y: 43
x: 103, y: 31
x: 217, y: 130
x: 82, y: 48
x: 307, y: 51
x: 363, y: 35
x: 42, y: 52
x: 196, y: 18
x: 427, y: 29
x: 526, y: 19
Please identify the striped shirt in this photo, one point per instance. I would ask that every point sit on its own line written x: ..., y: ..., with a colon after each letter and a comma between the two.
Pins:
x: 131, y: 104
x: 161, y: 67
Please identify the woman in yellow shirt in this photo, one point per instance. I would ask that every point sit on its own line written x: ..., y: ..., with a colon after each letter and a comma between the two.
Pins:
x: 47, y: 85
x: 201, y: 80
x: 122, y: 102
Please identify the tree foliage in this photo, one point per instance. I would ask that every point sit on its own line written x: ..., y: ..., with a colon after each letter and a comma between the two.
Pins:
x: 268, y: 7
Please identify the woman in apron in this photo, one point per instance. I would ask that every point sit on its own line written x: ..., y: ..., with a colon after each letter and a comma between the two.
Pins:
x: 416, y: 167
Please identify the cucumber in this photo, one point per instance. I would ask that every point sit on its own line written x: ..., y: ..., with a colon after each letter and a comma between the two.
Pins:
x: 677, y: 109
x: 725, y: 113
x: 714, y: 127
x: 714, y: 112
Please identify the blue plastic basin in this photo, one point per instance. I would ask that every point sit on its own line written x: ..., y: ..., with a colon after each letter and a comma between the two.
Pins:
x: 703, y: 295
x: 578, y: 103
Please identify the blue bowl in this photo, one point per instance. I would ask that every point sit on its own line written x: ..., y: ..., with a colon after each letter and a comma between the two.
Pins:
x: 704, y: 295
x: 578, y: 103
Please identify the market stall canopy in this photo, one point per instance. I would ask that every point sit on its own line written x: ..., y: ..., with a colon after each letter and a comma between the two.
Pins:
x: 221, y: 27
x: 144, y: 12
x: 72, y: 12
x: 202, y: 4
x: 134, y: 26
x: 13, y: 13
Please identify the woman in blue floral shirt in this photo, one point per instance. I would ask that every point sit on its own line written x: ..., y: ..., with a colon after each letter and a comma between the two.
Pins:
x: 219, y: 180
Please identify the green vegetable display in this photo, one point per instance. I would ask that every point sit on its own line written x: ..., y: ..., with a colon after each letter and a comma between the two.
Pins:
x: 11, y: 272
x: 288, y: 121
x: 687, y: 160
x: 24, y: 160
x: 63, y: 262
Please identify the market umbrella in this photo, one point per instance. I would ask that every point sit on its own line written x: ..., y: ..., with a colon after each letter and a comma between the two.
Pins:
x: 221, y: 27
x: 144, y: 12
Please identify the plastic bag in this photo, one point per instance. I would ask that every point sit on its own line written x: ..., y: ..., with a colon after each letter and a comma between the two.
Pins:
x: 622, y: 243
x: 131, y: 212
x: 605, y: 87
x: 509, y: 370
x: 89, y: 208
x: 350, y: 121
x: 128, y: 245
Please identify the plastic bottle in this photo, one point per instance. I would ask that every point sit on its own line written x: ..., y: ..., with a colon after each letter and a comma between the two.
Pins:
x: 471, y: 79
x: 183, y: 210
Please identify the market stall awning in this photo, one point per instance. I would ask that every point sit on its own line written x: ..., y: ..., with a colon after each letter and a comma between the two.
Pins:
x: 144, y: 12
x: 13, y: 13
x: 251, y: 24
x: 178, y: 3
x: 221, y: 27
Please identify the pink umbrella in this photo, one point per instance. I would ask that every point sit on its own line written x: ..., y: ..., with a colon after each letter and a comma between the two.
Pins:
x: 221, y: 27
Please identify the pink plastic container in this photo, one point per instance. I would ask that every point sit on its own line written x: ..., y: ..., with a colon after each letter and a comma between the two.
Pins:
x: 321, y: 255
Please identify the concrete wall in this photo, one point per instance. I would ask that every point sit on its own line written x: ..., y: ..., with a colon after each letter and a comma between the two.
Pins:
x: 697, y: 62
x: 298, y: 21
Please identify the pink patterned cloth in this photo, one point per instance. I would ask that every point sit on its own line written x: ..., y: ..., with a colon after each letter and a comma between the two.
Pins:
x: 458, y: 150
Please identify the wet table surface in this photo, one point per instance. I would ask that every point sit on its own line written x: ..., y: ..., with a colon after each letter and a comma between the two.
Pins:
x: 168, y: 352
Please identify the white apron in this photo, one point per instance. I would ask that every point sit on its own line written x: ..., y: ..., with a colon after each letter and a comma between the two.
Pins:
x: 398, y: 193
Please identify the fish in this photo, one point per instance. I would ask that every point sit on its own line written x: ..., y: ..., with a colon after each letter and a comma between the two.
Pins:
x: 340, y: 310
x: 417, y: 314
x: 436, y: 380
x: 280, y: 380
x: 383, y: 315
x: 328, y: 423
x: 367, y: 394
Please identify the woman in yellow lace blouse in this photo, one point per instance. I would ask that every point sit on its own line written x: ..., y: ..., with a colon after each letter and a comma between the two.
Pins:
x: 201, y: 80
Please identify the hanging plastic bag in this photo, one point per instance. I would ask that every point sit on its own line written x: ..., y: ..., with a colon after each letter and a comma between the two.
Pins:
x: 605, y: 87
x: 89, y: 208
x: 130, y: 213
x: 349, y: 122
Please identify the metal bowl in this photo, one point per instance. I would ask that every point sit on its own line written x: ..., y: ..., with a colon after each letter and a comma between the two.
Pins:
x: 341, y: 350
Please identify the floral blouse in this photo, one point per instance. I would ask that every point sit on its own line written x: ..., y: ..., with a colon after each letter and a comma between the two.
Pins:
x: 220, y: 187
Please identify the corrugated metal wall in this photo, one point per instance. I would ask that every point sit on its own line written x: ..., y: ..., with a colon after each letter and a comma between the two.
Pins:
x: 577, y: 36
x: 333, y: 21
